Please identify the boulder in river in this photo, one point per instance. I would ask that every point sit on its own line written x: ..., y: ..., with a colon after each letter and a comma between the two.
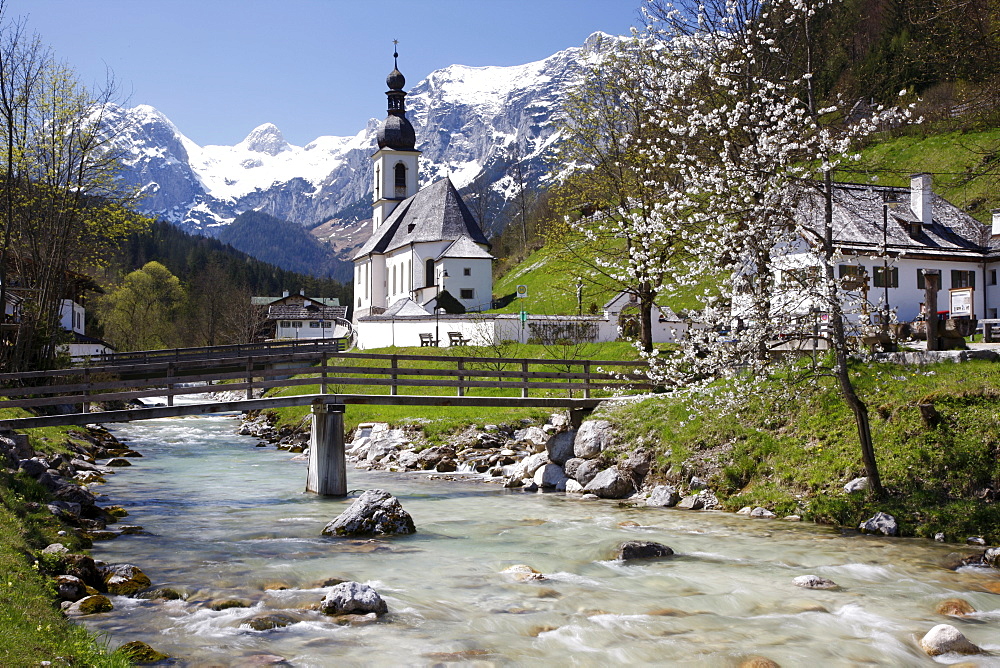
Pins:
x: 275, y: 620
x: 572, y: 466
x: 83, y: 567
x: 90, y: 605
x: 140, y: 653
x: 955, y: 607
x: 945, y: 638
x: 521, y: 573
x: 592, y: 438
x: 70, y: 587
x: 374, y: 513
x: 352, y: 598
x: 814, y: 582
x: 691, y: 502
x: 611, y: 483
x: 550, y: 476
x: 992, y: 557
x: 642, y: 549
x: 587, y: 471
x: 123, y: 579
x: 882, y: 523
x: 663, y: 496
x: 762, y: 513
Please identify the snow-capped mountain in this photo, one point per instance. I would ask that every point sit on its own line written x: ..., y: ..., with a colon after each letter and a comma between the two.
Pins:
x: 469, y: 121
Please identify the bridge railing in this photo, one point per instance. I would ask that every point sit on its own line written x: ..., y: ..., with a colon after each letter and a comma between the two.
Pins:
x: 234, y: 350
x: 373, y: 373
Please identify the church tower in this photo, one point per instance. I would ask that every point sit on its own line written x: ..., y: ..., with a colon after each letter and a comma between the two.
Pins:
x: 396, y: 161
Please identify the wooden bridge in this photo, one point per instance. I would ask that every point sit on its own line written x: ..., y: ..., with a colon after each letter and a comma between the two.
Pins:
x: 71, y: 394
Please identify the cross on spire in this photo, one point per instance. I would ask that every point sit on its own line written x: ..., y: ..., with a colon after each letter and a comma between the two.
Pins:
x: 395, y: 54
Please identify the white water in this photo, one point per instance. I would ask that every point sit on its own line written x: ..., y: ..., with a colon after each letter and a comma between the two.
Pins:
x: 229, y: 519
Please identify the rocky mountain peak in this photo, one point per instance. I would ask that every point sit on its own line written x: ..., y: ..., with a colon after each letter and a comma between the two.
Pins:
x: 266, y: 138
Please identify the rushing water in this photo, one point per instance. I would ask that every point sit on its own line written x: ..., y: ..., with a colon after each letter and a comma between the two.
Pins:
x: 228, y: 520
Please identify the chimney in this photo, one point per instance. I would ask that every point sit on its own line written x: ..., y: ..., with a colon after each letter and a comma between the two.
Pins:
x: 920, y: 197
x: 996, y: 222
x: 302, y: 292
x: 284, y: 294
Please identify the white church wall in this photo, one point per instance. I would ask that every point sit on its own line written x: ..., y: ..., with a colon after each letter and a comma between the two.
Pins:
x: 474, y: 275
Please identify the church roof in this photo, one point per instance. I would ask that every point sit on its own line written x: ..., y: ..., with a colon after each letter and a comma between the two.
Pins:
x: 436, y: 213
x: 404, y: 307
x: 465, y: 248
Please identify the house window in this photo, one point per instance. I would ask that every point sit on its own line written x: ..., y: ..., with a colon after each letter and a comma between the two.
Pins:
x: 285, y: 324
x: 296, y: 324
x: 886, y: 277
x: 313, y: 324
x: 852, y: 276
x: 993, y: 276
x: 963, y: 279
x: 467, y: 271
x: 467, y: 293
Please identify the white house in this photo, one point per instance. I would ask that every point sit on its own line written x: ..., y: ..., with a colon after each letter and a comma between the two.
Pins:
x: 889, y: 235
x: 423, y: 242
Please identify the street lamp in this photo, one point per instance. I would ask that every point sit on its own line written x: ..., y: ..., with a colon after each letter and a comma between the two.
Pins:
x: 437, y: 324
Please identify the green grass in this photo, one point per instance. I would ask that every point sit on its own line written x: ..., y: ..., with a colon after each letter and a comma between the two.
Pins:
x: 438, y: 422
x: 33, y: 628
x: 792, y: 452
x: 954, y: 158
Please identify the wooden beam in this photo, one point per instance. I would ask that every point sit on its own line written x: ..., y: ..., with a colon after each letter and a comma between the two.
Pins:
x: 298, y: 400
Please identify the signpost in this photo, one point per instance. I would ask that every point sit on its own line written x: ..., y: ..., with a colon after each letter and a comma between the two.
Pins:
x: 960, y: 302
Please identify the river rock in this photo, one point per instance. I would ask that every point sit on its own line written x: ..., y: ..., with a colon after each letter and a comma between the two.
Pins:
x: 663, y: 496
x: 814, y: 582
x: 639, y: 549
x: 573, y: 465
x: 573, y: 487
x: 697, y: 484
x: 560, y: 447
x: 975, y: 540
x: 954, y: 607
x: 513, y: 482
x: 140, y: 653
x: 409, y: 459
x: 550, y: 476
x: 534, y: 437
x: 745, y: 510
x: 90, y: 605
x: 758, y: 662
x: 374, y: 513
x: 70, y: 587
x: 119, y: 462
x: 526, y: 467
x: 33, y: 467
x: 587, y: 471
x: 226, y: 603
x: 611, y: 484
x: 446, y: 465
x: 83, y: 567
x: 275, y: 620
x: 592, y: 438
x: 992, y: 557
x: 57, y: 549
x: 882, y: 523
x: 521, y: 573
x: 352, y: 598
x: 691, y: 502
x: 856, y: 485
x: 762, y: 513
x: 123, y: 579
x: 945, y: 638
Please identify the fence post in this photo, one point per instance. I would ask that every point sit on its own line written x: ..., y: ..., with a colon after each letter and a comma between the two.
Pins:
x: 524, y: 379
x: 85, y: 405
x: 394, y: 363
x: 249, y: 378
x: 461, y: 377
x: 586, y: 381
x: 322, y: 384
x: 170, y: 386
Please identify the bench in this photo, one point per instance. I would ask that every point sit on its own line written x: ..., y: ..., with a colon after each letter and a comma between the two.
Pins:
x: 427, y: 340
x: 456, y: 339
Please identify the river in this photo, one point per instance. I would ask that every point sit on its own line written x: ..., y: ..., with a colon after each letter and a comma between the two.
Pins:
x: 230, y: 520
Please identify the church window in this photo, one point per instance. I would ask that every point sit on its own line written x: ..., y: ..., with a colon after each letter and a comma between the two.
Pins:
x: 393, y: 279
x: 378, y: 183
x: 400, y: 179
x: 429, y: 273
x: 467, y: 271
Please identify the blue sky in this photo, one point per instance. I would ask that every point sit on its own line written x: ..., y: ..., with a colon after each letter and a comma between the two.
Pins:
x: 219, y: 68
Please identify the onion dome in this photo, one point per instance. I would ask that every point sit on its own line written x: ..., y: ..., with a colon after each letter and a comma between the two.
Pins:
x: 396, y: 131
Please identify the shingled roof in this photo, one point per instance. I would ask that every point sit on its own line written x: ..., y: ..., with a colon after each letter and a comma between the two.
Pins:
x: 858, y: 222
x: 311, y: 312
x: 435, y: 213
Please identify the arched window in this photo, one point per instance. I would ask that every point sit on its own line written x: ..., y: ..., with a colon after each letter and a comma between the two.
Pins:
x: 400, y: 178
x: 378, y: 183
x: 393, y: 279
x: 429, y: 273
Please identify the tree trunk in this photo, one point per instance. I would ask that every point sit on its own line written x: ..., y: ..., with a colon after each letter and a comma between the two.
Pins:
x: 858, y: 407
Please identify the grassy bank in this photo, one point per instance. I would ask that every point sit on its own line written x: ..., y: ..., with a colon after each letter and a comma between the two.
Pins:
x: 793, y: 452
x: 34, y: 630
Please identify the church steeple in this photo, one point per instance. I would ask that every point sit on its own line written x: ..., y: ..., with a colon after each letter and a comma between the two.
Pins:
x: 396, y: 161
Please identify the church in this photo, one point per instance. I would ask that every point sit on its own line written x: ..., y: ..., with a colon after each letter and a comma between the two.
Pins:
x: 424, y: 242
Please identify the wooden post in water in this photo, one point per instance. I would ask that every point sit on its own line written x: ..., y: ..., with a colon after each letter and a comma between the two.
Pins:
x: 327, y: 461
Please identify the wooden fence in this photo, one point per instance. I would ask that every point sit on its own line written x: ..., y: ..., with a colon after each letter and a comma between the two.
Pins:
x: 393, y: 374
